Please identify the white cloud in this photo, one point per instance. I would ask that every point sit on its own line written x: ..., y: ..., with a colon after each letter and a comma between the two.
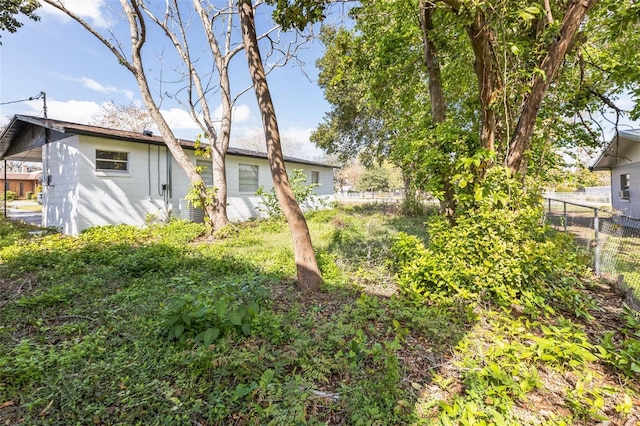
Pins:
x: 91, y: 10
x: 240, y: 113
x: 178, y: 119
x: 298, y: 141
x: 92, y: 84
x: 296, y: 134
x: 183, y: 125
x: 74, y: 111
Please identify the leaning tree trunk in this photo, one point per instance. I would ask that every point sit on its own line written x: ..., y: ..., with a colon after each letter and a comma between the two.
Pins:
x: 521, y: 140
x: 138, y: 38
x: 307, y: 267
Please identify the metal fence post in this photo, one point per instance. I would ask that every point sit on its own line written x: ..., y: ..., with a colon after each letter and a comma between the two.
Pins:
x: 565, y: 216
x: 596, y: 227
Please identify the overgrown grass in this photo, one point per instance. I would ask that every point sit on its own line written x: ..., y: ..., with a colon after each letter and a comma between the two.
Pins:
x: 13, y: 231
x: 113, y: 327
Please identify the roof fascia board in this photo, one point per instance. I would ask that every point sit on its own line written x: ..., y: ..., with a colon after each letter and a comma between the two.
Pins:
x: 620, y: 136
x: 60, y: 130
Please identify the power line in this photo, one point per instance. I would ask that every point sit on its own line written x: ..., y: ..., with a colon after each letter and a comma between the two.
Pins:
x: 32, y: 98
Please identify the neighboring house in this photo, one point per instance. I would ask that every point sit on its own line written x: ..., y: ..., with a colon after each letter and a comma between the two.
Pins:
x: 20, y: 183
x: 97, y: 176
x: 622, y: 158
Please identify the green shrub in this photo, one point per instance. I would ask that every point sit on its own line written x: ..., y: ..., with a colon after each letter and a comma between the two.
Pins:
x: 8, y: 195
x: 178, y: 231
x: 622, y: 350
x: 498, y: 250
x: 305, y: 195
x: 322, y: 216
x: 491, y: 254
x: 208, y: 315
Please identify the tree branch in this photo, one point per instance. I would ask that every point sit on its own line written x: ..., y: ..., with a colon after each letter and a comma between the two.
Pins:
x: 521, y: 139
x: 116, y: 50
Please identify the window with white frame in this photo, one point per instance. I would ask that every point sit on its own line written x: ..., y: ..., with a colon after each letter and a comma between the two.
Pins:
x: 624, y: 186
x: 315, y: 178
x: 206, y: 172
x: 248, y: 178
x: 112, y: 161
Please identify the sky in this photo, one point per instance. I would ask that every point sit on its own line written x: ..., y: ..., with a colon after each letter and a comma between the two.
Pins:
x: 79, y: 74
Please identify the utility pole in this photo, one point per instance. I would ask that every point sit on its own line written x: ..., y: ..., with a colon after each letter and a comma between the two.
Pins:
x: 44, y: 100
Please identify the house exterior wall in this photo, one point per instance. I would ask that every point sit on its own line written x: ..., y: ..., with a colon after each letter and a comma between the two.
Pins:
x: 81, y: 196
x: 60, y: 195
x: 629, y: 207
x: 243, y: 206
x: 109, y: 197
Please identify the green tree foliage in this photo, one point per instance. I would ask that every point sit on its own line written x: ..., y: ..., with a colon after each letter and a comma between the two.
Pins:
x: 354, y: 122
x: 297, y: 13
x: 374, y: 179
x: 305, y: 195
x: 610, y: 57
x: 565, y: 179
x: 9, y: 9
x: 497, y: 61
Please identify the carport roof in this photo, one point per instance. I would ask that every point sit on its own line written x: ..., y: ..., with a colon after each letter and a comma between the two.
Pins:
x: 62, y: 129
x: 616, y: 153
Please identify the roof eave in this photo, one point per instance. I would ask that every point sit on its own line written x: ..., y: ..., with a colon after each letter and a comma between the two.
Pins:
x: 81, y: 129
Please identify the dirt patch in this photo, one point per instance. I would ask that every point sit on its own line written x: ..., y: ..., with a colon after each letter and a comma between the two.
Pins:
x: 14, y: 289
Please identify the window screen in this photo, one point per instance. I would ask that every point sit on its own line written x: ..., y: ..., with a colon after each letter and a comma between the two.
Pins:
x: 624, y: 181
x: 207, y: 172
x: 109, y: 160
x: 248, y: 177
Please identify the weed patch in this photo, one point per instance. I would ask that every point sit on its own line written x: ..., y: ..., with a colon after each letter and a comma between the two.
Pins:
x: 122, y: 325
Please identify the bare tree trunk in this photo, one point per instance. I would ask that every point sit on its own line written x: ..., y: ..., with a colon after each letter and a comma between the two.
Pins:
x: 137, y: 28
x: 521, y: 139
x: 436, y: 95
x: 307, y: 267
x: 487, y: 79
x: 219, y: 153
x: 138, y: 38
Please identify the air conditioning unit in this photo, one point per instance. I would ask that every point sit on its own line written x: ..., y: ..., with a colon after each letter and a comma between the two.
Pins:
x: 623, y: 194
x: 188, y: 212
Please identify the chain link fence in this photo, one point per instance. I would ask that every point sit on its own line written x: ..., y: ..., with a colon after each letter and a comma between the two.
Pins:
x: 613, y: 240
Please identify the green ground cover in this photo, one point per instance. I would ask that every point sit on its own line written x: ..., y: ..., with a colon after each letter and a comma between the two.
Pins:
x: 160, y: 326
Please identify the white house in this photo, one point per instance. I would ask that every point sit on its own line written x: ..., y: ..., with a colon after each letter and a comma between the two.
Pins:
x: 97, y: 176
x: 622, y: 158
